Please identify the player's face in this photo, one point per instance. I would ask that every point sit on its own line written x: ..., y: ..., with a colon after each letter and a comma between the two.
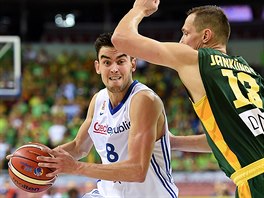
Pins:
x: 190, y: 36
x: 116, y: 69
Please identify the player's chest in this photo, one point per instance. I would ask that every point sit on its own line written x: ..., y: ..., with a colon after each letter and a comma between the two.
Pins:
x: 112, y: 124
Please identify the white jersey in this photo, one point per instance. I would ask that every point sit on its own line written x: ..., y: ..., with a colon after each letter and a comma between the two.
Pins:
x: 109, y: 131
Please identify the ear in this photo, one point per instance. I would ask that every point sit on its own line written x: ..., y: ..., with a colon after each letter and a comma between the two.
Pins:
x: 96, y: 66
x: 134, y: 64
x: 207, y: 35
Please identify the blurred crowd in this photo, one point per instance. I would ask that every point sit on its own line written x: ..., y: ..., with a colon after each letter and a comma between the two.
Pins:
x: 56, y: 91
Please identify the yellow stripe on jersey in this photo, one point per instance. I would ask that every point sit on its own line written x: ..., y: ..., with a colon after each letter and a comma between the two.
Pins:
x: 244, y: 191
x: 204, y: 112
x: 248, y: 172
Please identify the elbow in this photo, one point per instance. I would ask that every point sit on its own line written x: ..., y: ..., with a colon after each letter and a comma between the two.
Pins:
x: 117, y: 40
x: 139, y: 175
x: 123, y: 41
x: 135, y: 172
x: 141, y: 180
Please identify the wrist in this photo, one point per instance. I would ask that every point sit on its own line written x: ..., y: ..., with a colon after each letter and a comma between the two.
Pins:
x: 81, y: 168
x: 138, y: 11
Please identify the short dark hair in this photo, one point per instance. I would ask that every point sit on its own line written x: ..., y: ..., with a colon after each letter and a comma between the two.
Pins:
x: 213, y: 17
x: 103, y: 40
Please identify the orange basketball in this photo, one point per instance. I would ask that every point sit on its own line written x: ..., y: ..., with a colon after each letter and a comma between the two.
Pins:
x: 24, y: 170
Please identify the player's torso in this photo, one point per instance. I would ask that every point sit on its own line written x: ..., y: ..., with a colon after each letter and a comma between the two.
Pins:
x: 109, y: 131
x: 233, y: 100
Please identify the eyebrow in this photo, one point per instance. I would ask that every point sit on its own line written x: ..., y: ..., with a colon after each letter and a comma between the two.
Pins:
x: 120, y: 56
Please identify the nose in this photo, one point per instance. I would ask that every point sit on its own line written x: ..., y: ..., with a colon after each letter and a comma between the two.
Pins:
x: 181, y: 40
x: 114, y: 68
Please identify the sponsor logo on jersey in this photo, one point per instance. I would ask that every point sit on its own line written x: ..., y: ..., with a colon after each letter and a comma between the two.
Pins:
x: 111, y: 130
x: 254, y: 119
x: 102, y: 109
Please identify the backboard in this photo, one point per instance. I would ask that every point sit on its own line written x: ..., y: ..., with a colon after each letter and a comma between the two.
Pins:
x: 10, y: 66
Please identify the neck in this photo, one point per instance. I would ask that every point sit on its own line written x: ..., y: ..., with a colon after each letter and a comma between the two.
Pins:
x: 217, y: 46
x: 118, y: 96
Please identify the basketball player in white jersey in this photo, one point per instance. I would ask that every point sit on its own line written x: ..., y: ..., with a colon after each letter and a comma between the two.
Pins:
x: 126, y: 123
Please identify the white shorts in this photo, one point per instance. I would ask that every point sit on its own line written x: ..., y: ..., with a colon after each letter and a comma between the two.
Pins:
x: 93, y: 194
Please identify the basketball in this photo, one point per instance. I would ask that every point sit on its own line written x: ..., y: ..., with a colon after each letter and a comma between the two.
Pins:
x: 24, y: 171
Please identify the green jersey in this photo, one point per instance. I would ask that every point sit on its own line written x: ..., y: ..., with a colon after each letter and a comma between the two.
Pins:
x: 232, y: 111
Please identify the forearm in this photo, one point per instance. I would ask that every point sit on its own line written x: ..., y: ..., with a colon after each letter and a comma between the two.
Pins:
x: 70, y: 147
x: 130, y: 170
x: 130, y: 22
x: 122, y: 171
x: 126, y: 31
x: 190, y: 143
x: 75, y: 150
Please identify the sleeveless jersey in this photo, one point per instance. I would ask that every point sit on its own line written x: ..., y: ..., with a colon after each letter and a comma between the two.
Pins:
x: 232, y: 111
x: 109, y: 131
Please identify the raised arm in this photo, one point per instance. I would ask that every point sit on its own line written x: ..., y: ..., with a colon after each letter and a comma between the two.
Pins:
x: 177, y: 56
x: 126, y: 38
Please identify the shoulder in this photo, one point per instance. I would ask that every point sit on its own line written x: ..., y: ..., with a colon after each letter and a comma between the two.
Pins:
x: 142, y: 90
x: 145, y: 106
x: 91, y: 108
x: 145, y: 97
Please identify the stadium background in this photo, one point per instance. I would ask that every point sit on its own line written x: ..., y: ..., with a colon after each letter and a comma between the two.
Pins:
x: 58, y: 79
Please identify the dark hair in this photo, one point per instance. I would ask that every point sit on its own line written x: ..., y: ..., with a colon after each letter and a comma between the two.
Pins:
x: 103, y: 40
x: 214, y: 18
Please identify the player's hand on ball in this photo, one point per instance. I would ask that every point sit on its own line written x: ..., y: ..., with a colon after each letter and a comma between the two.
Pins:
x: 61, y: 160
x: 8, y: 156
x: 24, y: 171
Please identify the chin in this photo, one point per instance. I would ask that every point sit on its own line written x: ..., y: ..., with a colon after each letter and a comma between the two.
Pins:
x: 114, y: 89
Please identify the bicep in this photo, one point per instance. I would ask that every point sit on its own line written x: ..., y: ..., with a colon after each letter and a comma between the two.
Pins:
x: 180, y: 57
x: 144, y: 115
x: 170, y: 54
x: 83, y: 139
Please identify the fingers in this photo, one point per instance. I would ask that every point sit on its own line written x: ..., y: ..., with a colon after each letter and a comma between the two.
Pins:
x: 46, y: 149
x: 54, y: 152
x: 57, y: 161
x: 47, y: 165
x: 49, y: 162
x: 9, y: 156
x: 54, y: 166
x: 53, y: 174
x: 46, y: 159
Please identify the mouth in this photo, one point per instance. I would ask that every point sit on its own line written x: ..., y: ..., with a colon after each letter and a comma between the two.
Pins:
x: 115, y: 78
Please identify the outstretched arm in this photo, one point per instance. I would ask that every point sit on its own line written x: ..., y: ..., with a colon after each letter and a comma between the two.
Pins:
x: 190, y: 143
